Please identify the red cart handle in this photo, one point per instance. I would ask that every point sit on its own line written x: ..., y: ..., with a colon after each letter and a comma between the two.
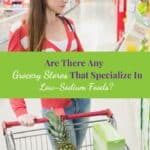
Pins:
x: 6, y: 125
x: 106, y: 112
x: 17, y: 123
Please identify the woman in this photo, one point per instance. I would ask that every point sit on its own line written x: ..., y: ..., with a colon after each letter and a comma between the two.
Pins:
x: 44, y: 29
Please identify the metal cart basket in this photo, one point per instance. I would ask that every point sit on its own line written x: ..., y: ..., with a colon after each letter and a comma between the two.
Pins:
x: 38, y: 138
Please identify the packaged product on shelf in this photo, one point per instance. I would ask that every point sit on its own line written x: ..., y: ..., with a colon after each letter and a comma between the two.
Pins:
x: 138, y: 38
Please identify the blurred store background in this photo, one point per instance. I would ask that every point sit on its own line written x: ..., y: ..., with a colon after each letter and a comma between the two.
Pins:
x: 102, y: 25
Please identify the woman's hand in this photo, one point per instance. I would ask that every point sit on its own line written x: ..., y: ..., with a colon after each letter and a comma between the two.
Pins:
x: 27, y: 120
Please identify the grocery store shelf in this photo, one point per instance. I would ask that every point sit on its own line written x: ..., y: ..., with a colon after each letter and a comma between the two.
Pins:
x: 8, y: 16
x: 137, y: 30
x: 4, y: 20
x: 131, y: 41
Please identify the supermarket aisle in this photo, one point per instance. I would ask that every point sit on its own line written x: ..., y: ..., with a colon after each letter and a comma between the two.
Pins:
x: 96, y: 24
x: 125, y: 112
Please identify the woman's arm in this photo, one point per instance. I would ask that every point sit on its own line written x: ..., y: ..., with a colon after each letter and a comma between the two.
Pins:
x: 18, y: 106
x: 79, y: 45
x: 15, y: 37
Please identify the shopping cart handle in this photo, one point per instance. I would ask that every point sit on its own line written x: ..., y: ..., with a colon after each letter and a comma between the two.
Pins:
x: 106, y: 112
x: 6, y: 125
x: 17, y: 123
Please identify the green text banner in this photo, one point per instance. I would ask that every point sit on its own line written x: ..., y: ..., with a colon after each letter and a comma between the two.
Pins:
x: 74, y: 75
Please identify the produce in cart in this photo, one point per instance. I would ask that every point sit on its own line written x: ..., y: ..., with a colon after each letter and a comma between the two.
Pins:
x: 106, y: 137
x: 58, y: 131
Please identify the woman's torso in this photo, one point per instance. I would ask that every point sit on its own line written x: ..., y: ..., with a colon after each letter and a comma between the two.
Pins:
x: 69, y: 42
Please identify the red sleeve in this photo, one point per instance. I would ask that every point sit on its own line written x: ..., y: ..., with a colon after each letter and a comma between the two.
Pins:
x: 18, y: 106
x: 79, y: 48
x: 14, y: 44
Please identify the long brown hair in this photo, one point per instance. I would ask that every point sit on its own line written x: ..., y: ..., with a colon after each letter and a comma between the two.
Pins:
x: 36, y: 24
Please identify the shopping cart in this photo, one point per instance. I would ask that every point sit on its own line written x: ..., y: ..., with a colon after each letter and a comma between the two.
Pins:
x: 38, y: 138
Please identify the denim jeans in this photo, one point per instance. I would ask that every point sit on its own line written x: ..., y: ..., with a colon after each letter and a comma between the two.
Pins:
x: 78, y: 106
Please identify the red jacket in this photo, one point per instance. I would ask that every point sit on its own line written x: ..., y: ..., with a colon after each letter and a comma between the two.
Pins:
x: 18, y: 42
